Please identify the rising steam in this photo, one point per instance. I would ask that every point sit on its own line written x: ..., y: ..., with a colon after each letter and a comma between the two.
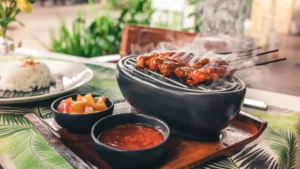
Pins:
x: 221, y: 32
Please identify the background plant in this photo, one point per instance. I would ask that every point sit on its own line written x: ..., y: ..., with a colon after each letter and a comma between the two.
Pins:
x: 9, y: 9
x: 103, y: 35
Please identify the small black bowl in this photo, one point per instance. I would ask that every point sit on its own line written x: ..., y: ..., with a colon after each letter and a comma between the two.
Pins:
x: 79, y: 123
x: 144, y: 158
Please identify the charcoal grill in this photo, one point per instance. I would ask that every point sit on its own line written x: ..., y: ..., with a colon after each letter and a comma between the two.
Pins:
x: 193, y: 112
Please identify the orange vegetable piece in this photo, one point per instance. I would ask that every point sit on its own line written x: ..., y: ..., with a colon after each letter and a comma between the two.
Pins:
x: 89, y: 97
x: 102, y: 106
x: 64, y: 106
x: 83, y: 104
x: 78, y: 107
x: 88, y: 110
x: 100, y: 99
x: 70, y: 99
x: 79, y: 97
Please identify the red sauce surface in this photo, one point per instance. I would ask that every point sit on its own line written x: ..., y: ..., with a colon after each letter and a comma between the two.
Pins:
x: 131, y: 137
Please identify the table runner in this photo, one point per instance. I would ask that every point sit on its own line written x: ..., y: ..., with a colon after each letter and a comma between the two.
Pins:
x: 21, y: 146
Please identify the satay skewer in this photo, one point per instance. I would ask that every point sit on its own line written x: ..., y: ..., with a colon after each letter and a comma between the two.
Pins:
x: 202, y: 71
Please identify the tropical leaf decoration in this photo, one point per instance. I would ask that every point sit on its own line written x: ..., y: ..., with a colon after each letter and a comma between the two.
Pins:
x: 283, y: 143
x: 45, y: 111
x: 25, y: 147
x: 220, y: 163
x: 255, y: 157
x: 120, y: 101
x: 248, y: 158
x: 13, y: 120
x: 278, y: 117
x: 112, y: 93
x: 298, y: 126
x: 18, y: 109
x: 103, y: 83
x: 103, y: 72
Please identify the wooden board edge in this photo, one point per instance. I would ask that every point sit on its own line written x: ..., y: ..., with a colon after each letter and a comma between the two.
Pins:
x: 228, y: 151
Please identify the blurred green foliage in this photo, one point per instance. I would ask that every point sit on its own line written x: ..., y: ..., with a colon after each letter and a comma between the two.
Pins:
x: 196, y: 14
x: 103, y: 35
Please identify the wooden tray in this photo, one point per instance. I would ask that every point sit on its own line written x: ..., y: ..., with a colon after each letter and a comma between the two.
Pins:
x: 78, y: 149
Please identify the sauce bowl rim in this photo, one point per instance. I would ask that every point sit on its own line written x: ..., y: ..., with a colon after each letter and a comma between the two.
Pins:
x: 166, y: 138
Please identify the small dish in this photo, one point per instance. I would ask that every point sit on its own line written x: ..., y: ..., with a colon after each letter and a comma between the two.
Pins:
x: 142, y: 158
x: 79, y: 123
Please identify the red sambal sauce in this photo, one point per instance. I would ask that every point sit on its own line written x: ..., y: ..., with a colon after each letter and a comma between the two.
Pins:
x: 131, y: 137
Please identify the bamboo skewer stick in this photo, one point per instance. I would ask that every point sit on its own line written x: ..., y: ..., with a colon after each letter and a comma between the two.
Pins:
x: 263, y: 63
x: 257, y: 55
x: 247, y: 51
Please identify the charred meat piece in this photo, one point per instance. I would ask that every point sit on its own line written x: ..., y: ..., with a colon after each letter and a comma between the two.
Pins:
x: 220, y: 71
x: 168, y: 65
x: 211, y: 73
x: 201, y: 63
x: 215, y: 72
x: 141, y: 60
x: 220, y: 62
x: 183, y: 72
x: 181, y: 55
x: 198, y: 76
x: 151, y: 63
x: 170, y: 53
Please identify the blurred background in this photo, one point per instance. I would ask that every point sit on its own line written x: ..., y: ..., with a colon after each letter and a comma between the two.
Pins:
x: 93, y: 28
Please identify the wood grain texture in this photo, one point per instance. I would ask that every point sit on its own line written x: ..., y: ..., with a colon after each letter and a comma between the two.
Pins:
x: 143, y: 39
x: 184, y: 154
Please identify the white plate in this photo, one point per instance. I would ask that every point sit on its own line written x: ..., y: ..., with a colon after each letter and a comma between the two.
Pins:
x: 75, y: 73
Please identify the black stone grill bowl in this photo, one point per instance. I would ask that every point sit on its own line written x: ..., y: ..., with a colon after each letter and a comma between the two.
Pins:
x: 79, y: 123
x: 197, y: 113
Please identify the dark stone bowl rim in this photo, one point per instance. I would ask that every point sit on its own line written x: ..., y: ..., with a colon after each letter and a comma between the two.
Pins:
x: 71, y: 95
x: 123, y: 70
x: 166, y: 138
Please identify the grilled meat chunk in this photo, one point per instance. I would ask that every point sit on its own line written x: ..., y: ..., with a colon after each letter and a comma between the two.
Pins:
x: 183, y: 72
x: 141, y: 60
x: 198, y: 76
x: 201, y: 63
x: 211, y: 73
x: 168, y: 65
x: 220, y: 62
x: 151, y: 63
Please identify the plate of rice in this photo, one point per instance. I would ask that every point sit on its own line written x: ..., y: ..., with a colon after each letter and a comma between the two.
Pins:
x: 28, y: 80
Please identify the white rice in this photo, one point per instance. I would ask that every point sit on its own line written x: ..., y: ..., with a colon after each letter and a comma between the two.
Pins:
x: 25, y: 78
